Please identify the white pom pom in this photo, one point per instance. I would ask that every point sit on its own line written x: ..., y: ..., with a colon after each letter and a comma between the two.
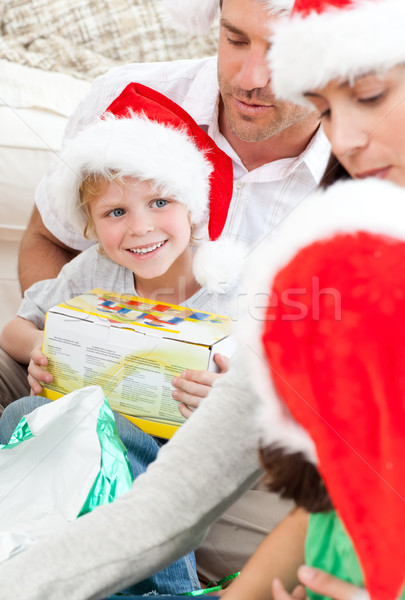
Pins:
x: 218, y: 265
x: 193, y: 16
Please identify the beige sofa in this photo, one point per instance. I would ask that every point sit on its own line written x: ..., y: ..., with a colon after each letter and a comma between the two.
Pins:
x: 48, y: 56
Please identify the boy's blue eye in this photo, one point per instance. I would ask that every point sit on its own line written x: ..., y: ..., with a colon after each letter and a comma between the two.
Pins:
x: 117, y: 212
x: 160, y: 203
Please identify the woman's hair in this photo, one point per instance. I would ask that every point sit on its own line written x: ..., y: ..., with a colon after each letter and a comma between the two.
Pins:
x: 334, y: 172
x: 294, y: 478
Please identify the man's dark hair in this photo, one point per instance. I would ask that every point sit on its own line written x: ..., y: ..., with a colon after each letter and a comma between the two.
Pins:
x: 294, y: 478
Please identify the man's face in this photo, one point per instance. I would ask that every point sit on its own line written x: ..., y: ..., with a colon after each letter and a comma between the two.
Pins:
x: 251, y: 111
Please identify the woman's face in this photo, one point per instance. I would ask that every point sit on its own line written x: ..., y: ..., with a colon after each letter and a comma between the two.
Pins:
x: 365, y: 123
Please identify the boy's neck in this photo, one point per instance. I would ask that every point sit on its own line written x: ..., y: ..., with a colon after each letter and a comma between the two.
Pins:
x: 174, y: 287
x: 177, y: 294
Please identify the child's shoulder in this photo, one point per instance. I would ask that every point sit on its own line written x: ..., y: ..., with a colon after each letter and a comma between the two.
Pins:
x: 85, y: 262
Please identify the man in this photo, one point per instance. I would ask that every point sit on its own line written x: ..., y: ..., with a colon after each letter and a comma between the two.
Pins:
x: 242, y: 115
x: 278, y: 155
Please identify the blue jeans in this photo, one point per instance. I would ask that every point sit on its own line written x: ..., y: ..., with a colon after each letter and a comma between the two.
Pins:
x: 142, y: 449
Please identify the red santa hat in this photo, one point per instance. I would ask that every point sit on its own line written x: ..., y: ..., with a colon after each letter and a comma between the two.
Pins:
x: 197, y: 16
x: 328, y: 39
x: 327, y: 355
x: 145, y: 135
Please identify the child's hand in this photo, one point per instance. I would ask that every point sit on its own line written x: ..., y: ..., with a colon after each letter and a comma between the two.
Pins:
x: 193, y: 386
x: 36, y: 373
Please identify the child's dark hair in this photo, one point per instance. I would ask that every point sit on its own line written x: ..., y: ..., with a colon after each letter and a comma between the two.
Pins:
x: 334, y: 172
x: 294, y: 478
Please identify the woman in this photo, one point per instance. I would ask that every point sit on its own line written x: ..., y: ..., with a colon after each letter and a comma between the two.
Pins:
x: 346, y: 58
x: 329, y: 347
x: 349, y: 65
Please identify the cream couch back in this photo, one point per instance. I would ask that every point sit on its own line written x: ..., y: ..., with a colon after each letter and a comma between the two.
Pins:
x: 32, y: 121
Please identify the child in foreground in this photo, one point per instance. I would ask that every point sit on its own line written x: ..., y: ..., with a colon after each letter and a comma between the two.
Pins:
x: 327, y: 356
x: 145, y: 182
x: 153, y: 190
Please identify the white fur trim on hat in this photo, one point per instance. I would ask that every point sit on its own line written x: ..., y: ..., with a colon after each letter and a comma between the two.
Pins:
x: 197, y: 16
x: 218, y: 265
x: 346, y: 207
x: 308, y: 52
x: 135, y: 147
x: 193, y: 16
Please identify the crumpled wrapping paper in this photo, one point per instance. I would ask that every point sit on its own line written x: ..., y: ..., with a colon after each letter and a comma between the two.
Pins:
x: 64, y: 459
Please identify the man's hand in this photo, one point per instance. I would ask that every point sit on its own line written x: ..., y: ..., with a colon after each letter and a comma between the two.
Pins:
x: 192, y: 386
x: 322, y: 583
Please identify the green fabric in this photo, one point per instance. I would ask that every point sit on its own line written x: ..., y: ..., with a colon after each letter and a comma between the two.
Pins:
x: 114, y: 477
x: 21, y: 432
x: 329, y: 547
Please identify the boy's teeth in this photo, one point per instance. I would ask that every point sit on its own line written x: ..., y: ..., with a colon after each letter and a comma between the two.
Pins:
x: 146, y: 250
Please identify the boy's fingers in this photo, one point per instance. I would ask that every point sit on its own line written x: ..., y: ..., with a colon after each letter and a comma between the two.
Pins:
x: 201, y: 377
x: 191, y: 387
x: 189, y: 400
x: 185, y: 410
x: 35, y: 386
x: 222, y: 362
x: 37, y: 373
x: 38, y: 357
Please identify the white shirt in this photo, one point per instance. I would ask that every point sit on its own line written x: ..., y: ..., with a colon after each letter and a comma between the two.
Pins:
x: 262, y: 198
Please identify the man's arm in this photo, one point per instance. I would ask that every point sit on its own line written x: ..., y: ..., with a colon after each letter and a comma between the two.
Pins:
x: 41, y: 254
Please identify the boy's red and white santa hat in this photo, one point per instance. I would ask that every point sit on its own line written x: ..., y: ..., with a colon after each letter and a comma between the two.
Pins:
x: 326, y: 352
x: 145, y: 135
x: 197, y: 16
x: 328, y: 39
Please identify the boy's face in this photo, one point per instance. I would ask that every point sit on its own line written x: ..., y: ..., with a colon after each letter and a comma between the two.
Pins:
x: 140, y: 230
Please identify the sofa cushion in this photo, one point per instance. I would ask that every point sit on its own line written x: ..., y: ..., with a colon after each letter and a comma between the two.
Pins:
x: 87, y: 37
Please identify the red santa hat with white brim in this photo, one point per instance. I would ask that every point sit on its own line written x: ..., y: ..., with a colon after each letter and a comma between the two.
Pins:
x: 145, y: 135
x: 326, y: 351
x: 328, y: 39
x: 197, y: 16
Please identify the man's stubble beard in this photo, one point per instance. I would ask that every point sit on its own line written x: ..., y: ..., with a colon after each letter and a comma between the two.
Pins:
x: 281, y: 115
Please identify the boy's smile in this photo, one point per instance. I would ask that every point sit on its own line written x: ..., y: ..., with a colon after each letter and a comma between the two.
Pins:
x: 141, y: 251
x: 142, y: 231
